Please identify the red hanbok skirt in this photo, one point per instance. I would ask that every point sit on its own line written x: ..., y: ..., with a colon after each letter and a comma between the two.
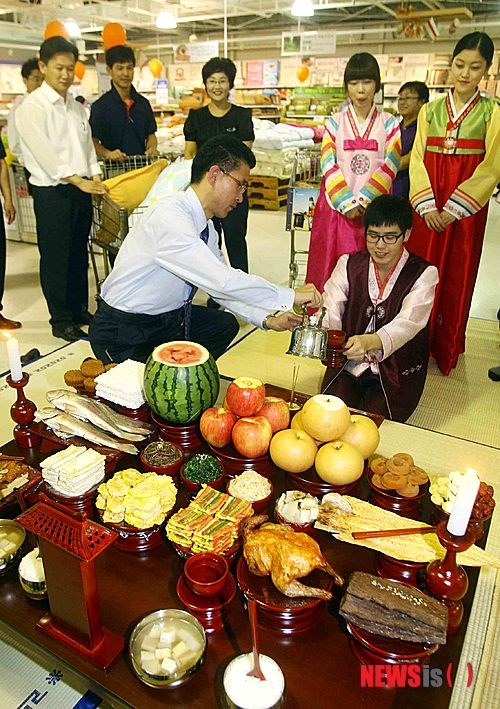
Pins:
x: 332, y: 235
x: 455, y: 252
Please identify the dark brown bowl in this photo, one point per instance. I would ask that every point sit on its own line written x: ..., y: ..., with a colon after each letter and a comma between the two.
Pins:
x: 193, y: 487
x: 206, y: 573
x: 171, y: 469
x: 392, y: 501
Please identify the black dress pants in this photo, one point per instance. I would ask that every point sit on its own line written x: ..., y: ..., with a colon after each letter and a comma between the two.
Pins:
x: 234, y: 227
x: 63, y: 218
x: 116, y: 335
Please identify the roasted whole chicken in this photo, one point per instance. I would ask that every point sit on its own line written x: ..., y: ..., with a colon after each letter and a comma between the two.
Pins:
x: 278, y: 551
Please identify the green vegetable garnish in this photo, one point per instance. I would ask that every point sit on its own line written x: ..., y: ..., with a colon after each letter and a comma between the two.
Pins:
x: 202, y: 468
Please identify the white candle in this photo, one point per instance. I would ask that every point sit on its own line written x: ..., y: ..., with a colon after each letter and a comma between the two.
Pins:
x: 16, y: 371
x: 464, y: 502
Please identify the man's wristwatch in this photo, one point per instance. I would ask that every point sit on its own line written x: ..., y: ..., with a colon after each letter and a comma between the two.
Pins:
x: 264, y: 323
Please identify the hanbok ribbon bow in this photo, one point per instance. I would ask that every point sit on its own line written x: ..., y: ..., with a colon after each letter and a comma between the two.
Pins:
x: 360, y: 143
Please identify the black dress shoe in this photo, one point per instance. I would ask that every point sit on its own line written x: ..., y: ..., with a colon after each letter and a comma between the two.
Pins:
x: 211, y: 303
x: 84, y: 319
x: 6, y: 324
x: 71, y: 333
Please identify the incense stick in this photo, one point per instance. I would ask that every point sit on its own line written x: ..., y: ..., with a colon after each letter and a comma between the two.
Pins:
x: 11, y: 457
x: 295, y: 376
x: 393, y: 532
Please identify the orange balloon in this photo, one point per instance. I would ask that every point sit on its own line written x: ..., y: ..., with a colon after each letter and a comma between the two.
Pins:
x: 113, y: 34
x: 56, y: 29
x: 302, y: 73
x: 79, y: 70
x: 155, y: 66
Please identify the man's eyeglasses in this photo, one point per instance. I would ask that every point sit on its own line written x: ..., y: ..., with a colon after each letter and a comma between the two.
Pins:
x: 408, y: 98
x: 373, y: 238
x: 242, y: 185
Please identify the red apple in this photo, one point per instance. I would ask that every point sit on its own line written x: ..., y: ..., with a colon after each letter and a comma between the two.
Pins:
x: 245, y: 396
x: 276, y: 412
x: 216, y: 424
x: 252, y: 436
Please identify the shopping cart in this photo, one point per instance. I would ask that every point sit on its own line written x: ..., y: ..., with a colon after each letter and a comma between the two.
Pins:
x: 111, y: 222
x: 25, y: 213
x: 303, y: 192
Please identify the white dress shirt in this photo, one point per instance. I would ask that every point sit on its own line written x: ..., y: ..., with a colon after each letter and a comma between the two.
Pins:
x: 12, y: 134
x: 163, y: 254
x: 413, y: 316
x: 55, y: 138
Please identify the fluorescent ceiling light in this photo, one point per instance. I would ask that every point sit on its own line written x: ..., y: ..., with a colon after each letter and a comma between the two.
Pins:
x: 166, y: 21
x: 302, y: 8
x: 72, y: 28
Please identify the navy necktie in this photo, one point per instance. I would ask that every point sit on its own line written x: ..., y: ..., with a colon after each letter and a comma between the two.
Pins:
x: 189, y: 300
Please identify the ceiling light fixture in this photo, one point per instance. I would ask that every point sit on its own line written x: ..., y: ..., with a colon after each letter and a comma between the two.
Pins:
x: 72, y: 28
x: 166, y: 21
x: 302, y: 8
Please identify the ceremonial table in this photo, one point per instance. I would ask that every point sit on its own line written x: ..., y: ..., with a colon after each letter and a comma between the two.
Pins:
x: 319, y: 667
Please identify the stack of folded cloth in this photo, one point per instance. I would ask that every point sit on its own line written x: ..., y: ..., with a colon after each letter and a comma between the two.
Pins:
x: 394, y: 610
x: 139, y: 499
x: 211, y: 522
x: 123, y: 384
x: 74, y: 470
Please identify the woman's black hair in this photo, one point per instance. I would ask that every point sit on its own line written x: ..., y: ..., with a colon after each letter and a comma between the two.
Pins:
x: 362, y: 66
x: 389, y: 210
x: 219, y: 65
x: 476, y: 40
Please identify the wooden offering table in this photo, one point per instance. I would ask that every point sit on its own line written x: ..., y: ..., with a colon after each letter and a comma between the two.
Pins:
x: 319, y: 668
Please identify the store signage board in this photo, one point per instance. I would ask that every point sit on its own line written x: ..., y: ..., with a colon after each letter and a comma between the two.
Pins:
x: 161, y: 92
x: 308, y: 43
x: 197, y: 52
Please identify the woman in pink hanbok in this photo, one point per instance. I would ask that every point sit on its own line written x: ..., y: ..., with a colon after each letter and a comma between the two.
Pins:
x: 360, y: 156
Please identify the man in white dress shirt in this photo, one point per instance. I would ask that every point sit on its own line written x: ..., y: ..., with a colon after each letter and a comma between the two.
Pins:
x: 382, y: 298
x: 171, y: 251
x: 57, y: 150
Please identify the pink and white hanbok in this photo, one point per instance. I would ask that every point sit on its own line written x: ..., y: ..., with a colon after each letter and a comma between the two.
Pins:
x: 359, y: 163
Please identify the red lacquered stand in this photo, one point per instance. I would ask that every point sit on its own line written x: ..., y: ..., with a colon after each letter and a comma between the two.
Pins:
x: 445, y: 579
x: 22, y: 413
x: 69, y: 543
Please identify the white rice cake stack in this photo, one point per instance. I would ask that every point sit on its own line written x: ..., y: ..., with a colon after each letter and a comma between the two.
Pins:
x: 74, y: 471
x: 123, y: 384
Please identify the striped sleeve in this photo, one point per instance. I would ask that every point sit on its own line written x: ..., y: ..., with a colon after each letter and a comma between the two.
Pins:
x: 474, y: 193
x: 421, y: 195
x: 381, y: 180
x: 338, y: 192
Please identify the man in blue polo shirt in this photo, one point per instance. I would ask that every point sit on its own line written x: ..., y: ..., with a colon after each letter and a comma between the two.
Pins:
x: 122, y: 120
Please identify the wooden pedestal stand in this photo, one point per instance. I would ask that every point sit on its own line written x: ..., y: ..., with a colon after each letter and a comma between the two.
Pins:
x: 22, y: 413
x: 69, y: 543
x: 448, y: 581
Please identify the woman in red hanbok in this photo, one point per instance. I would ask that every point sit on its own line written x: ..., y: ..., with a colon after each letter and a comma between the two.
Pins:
x: 454, y: 168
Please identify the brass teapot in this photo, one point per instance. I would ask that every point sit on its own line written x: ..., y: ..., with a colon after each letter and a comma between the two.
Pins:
x: 309, y: 339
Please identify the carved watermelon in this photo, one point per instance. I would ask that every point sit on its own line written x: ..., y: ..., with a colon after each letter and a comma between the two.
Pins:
x: 181, y: 380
